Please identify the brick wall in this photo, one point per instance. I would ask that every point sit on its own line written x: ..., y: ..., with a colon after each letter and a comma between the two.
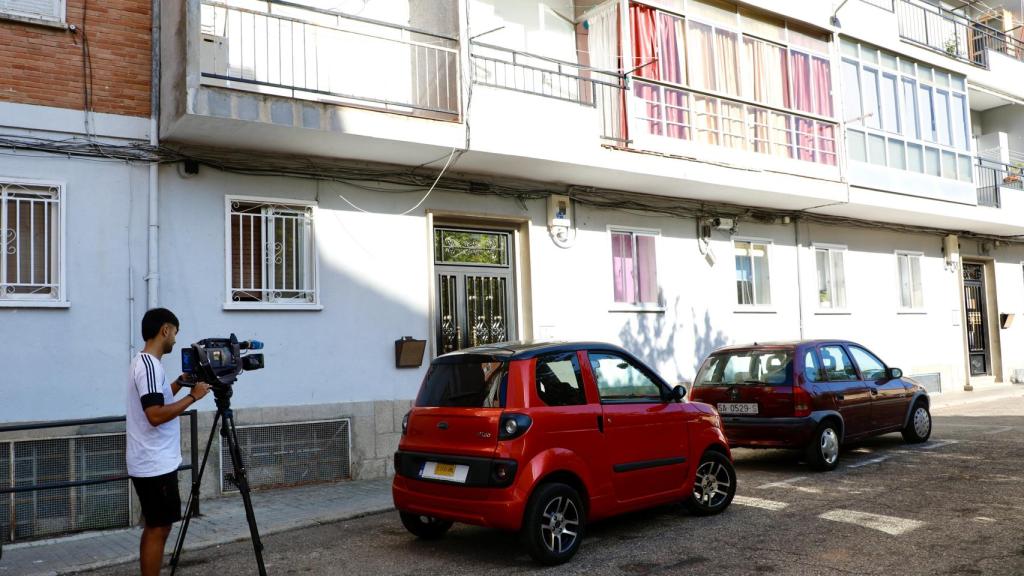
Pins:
x: 42, y: 65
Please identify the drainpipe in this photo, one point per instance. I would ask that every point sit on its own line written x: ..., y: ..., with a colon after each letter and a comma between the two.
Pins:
x: 153, y: 244
x: 799, y: 275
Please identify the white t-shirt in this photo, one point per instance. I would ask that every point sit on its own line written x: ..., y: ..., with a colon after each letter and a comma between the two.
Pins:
x: 151, y: 450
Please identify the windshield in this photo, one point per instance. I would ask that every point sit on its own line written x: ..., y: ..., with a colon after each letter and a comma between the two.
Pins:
x: 752, y: 367
x: 467, y: 382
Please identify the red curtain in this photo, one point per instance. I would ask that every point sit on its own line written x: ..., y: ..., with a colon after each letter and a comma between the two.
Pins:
x: 644, y: 35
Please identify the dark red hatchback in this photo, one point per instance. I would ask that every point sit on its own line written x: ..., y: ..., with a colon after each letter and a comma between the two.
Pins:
x: 813, y: 395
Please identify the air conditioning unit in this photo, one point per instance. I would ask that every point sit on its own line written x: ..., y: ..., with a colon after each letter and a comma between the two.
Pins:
x: 213, y: 55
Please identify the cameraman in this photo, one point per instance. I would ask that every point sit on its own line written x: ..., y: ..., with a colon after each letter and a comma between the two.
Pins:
x: 154, y: 436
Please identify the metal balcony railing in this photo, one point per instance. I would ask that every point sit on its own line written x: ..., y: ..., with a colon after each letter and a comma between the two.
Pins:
x: 552, y: 78
x: 685, y: 114
x: 954, y: 34
x: 313, y: 53
x: 993, y: 177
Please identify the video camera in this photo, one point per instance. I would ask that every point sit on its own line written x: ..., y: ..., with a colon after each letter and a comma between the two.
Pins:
x: 219, y: 361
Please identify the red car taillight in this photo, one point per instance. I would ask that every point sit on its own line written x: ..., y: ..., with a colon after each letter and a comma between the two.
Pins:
x: 801, y: 401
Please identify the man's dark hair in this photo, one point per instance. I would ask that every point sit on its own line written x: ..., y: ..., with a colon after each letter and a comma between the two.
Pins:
x: 154, y: 320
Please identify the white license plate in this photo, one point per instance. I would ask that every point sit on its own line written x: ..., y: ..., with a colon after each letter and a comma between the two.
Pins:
x: 734, y: 408
x: 442, y: 471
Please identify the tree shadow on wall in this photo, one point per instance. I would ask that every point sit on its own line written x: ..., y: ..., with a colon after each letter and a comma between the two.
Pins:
x: 652, y: 338
x: 705, y: 342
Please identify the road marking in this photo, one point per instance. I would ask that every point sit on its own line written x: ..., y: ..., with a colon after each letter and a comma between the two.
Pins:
x: 984, y: 519
x: 938, y: 444
x: 869, y: 462
x: 759, y: 503
x: 782, y: 483
x: 999, y: 430
x: 888, y: 524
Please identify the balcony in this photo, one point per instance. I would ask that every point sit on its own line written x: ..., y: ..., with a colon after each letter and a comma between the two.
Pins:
x: 294, y: 51
x: 993, y: 177
x: 954, y: 34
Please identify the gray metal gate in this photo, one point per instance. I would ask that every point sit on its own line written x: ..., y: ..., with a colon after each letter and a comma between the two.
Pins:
x: 475, y: 303
x: 977, y: 327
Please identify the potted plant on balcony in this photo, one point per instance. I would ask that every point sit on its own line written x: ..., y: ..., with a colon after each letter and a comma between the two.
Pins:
x: 952, y: 46
x: 1013, y: 175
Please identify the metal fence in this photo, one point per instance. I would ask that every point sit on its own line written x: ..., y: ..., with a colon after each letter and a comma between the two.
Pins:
x: 956, y: 35
x: 992, y: 177
x: 552, y: 78
x: 60, y: 485
x: 319, y: 53
x: 293, y: 454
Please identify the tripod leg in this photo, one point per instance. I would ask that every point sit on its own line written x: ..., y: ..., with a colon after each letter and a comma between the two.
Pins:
x: 193, y: 496
x: 243, y: 487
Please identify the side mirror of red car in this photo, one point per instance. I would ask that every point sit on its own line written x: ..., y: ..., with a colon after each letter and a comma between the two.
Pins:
x: 893, y: 373
x: 678, y: 393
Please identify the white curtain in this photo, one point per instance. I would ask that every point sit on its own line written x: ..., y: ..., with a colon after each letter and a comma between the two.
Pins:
x: 603, y: 46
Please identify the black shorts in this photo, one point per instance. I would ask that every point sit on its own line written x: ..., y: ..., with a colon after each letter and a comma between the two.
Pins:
x: 161, y: 503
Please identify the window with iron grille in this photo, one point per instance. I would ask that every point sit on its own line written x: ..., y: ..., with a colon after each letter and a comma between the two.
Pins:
x: 271, y: 253
x: 31, y: 255
x: 290, y: 454
x: 46, y: 10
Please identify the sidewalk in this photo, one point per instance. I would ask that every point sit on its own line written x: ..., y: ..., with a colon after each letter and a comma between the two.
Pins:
x: 223, y: 521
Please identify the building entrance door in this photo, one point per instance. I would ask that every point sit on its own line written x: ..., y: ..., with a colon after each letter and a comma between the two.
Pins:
x: 977, y: 328
x: 475, y: 288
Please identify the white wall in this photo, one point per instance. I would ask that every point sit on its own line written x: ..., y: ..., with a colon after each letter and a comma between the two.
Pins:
x: 533, y: 27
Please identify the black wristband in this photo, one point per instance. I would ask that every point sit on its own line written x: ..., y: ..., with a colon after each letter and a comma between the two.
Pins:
x: 194, y: 399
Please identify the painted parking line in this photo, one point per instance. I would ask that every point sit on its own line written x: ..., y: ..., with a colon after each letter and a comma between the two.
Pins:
x: 937, y: 444
x: 759, y: 503
x: 999, y: 430
x: 888, y: 524
x: 878, y: 460
x: 782, y: 483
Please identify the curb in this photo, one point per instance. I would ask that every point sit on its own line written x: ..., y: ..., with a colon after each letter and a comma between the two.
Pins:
x: 970, y: 399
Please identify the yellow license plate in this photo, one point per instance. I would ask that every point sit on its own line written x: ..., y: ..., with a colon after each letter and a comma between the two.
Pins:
x: 444, y: 469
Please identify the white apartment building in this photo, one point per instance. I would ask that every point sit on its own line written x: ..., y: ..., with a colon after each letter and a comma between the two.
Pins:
x: 668, y: 175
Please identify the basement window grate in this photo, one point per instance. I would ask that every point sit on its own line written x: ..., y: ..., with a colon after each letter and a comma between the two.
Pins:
x: 278, y: 455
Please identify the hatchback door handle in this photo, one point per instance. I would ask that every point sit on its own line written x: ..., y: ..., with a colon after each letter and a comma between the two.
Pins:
x: 600, y: 423
x: 840, y: 397
x: 874, y: 391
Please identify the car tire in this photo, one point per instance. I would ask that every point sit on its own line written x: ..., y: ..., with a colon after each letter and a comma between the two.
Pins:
x: 425, y: 527
x: 822, y: 452
x: 919, y: 427
x: 554, y: 523
x: 714, y: 485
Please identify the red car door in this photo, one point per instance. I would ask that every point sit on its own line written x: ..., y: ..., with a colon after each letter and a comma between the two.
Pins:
x: 888, y: 396
x: 853, y: 399
x: 644, y: 436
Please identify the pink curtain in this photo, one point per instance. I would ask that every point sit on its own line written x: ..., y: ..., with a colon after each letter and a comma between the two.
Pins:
x: 672, y: 53
x: 801, y: 67
x: 622, y: 267
x: 804, y: 139
x: 676, y: 115
x: 822, y: 72
x: 647, y: 270
x: 826, y: 144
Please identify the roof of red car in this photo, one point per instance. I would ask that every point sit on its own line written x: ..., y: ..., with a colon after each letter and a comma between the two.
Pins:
x: 528, y: 349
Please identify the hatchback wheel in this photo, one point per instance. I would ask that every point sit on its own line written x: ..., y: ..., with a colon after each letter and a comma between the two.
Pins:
x: 714, y: 486
x: 425, y: 527
x: 919, y: 428
x: 554, y: 523
x: 823, y: 451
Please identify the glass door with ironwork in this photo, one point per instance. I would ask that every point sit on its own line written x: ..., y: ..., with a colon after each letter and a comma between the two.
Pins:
x: 475, y: 294
x: 977, y: 327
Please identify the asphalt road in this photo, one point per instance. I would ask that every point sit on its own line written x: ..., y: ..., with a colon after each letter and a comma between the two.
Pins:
x: 954, y: 505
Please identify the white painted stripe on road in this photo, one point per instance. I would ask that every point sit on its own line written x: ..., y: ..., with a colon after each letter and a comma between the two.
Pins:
x: 938, y: 444
x: 782, y: 483
x: 984, y: 519
x: 999, y: 430
x: 759, y: 503
x: 888, y: 524
x: 878, y: 460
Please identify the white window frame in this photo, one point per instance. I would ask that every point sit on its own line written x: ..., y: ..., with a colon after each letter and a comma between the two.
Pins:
x: 635, y: 306
x: 57, y: 20
x: 916, y: 307
x: 832, y: 249
x: 229, y: 304
x: 769, y: 254
x: 60, y: 271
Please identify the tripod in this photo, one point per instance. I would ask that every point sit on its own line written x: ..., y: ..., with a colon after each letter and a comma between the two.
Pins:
x: 222, y: 396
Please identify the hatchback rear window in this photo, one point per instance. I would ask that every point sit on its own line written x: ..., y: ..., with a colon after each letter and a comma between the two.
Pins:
x: 750, y: 367
x: 466, y: 381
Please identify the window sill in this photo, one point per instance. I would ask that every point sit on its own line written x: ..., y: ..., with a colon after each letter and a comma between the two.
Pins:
x: 912, y: 312
x: 755, y: 310
x: 272, y: 307
x: 637, y: 308
x: 57, y: 24
x: 827, y: 312
x: 34, y: 304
